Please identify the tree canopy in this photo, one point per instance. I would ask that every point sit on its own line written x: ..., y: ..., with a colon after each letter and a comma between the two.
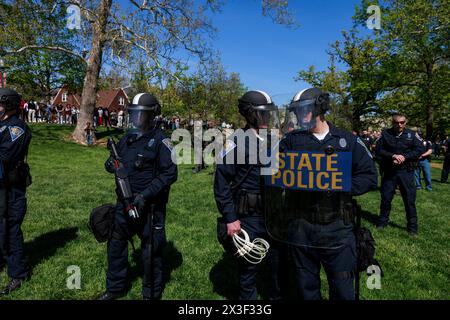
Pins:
x: 402, y: 67
x: 125, y: 34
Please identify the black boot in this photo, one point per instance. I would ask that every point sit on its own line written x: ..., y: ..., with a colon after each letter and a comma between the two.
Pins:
x: 152, y: 299
x: 109, y: 296
x: 13, y: 284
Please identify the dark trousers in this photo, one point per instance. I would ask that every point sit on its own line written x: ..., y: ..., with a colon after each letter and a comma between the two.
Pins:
x: 445, y: 168
x: 405, y: 180
x: 275, y: 258
x: 339, y: 265
x: 124, y: 229
x: 13, y: 206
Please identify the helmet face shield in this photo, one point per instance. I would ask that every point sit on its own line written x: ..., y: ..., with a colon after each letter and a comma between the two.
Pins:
x: 140, y: 120
x: 264, y: 117
x: 141, y: 113
x: 301, y: 115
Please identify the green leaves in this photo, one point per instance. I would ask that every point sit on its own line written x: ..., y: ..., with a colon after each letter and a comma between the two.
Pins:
x: 33, y: 70
x: 402, y: 67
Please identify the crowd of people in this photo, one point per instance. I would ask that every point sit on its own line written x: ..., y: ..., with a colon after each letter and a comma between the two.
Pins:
x: 32, y: 111
x: 35, y: 112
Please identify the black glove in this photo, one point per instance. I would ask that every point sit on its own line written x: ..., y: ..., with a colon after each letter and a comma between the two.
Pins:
x: 139, y: 202
x: 109, y: 165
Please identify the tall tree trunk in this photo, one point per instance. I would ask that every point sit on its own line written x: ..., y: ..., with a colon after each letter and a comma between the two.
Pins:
x: 430, y: 118
x: 429, y: 101
x: 88, y: 96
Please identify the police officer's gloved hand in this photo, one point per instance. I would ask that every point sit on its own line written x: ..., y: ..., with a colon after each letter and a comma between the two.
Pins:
x: 109, y: 165
x: 139, y: 202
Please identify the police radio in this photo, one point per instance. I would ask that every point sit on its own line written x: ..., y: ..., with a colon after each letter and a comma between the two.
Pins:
x: 122, y: 181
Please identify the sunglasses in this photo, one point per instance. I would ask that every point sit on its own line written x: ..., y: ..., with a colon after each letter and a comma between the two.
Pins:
x: 399, y: 122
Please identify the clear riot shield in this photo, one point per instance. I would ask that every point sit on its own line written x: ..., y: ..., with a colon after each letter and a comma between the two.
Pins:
x: 306, y: 197
x: 282, y: 101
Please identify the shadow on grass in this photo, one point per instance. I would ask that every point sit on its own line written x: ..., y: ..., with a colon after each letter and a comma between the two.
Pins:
x: 46, y: 245
x: 225, y: 278
x: 172, y: 259
x: 373, y: 219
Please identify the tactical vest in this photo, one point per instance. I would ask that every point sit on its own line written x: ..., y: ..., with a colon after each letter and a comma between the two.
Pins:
x: 141, y: 163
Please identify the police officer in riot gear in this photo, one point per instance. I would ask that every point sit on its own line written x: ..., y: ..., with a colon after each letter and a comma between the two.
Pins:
x: 146, y: 155
x: 398, y: 149
x: 15, y: 138
x: 318, y: 225
x: 237, y: 188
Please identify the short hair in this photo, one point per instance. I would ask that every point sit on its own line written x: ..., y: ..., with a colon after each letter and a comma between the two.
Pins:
x: 398, y: 115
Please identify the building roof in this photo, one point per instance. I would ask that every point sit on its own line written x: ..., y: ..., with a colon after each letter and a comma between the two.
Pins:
x: 77, y: 98
x: 106, y: 97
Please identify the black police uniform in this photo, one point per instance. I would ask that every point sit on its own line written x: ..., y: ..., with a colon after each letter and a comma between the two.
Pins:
x: 245, y: 204
x: 15, y: 138
x: 151, y: 171
x: 446, y: 166
x: 338, y: 254
x: 410, y: 146
x: 367, y: 141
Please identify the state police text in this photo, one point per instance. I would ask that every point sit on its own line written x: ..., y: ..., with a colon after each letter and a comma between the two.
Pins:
x: 312, y: 171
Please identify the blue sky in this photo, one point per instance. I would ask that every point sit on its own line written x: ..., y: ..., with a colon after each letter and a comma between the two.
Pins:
x: 268, y: 56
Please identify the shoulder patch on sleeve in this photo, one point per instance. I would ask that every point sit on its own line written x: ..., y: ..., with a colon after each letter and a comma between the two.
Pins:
x: 15, y: 132
x: 229, y: 145
x: 342, y: 142
x: 418, y: 137
x: 364, y: 146
x: 168, y: 143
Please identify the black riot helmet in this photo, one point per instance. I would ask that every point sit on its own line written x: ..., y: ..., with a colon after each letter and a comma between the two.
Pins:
x: 259, y: 110
x: 9, y: 99
x: 306, y: 106
x: 142, y: 112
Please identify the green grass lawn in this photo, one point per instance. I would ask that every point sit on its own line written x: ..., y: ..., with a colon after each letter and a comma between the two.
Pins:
x: 69, y: 180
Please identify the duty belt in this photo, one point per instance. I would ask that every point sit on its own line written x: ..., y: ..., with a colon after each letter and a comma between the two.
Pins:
x: 248, y: 203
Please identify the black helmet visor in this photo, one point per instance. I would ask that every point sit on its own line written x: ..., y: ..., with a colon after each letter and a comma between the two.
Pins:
x: 140, y: 119
x: 302, y: 115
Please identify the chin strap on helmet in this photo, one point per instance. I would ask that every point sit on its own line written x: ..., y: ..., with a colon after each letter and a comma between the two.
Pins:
x: 252, y: 251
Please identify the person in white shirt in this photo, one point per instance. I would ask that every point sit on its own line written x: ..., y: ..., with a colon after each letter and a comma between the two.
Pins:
x: 120, y: 119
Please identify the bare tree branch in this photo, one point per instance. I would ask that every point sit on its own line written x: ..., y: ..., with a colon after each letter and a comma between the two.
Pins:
x: 31, y: 47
